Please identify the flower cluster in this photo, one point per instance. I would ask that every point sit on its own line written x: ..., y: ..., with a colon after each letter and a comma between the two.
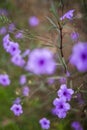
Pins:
x: 13, y: 49
x: 61, y: 105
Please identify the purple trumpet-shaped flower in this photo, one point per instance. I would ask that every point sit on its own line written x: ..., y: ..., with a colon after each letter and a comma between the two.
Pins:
x: 76, y: 125
x: 18, y: 60
x: 41, y: 62
x: 6, y: 42
x: 61, y: 107
x: 17, y: 101
x: 68, y: 15
x: 65, y: 93
x: 78, y: 57
x: 45, y: 123
x: 13, y: 48
x: 4, y: 80
x: 17, y: 109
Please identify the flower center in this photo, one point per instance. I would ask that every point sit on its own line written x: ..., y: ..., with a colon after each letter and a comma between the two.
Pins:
x: 41, y: 62
x: 17, y: 109
x: 61, y: 106
x: 45, y: 122
x: 64, y: 93
x: 14, y: 49
x: 84, y: 56
x: 4, y: 80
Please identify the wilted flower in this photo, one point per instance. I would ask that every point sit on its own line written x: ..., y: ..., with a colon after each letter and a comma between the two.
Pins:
x: 68, y: 15
x: 79, y: 56
x: 41, y: 62
x: 45, y: 123
x: 17, y: 109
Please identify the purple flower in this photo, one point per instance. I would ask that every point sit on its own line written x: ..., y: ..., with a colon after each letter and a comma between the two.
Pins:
x: 68, y: 15
x: 13, y: 48
x: 41, y: 62
x: 18, y: 60
x: 3, y: 30
x: 22, y: 80
x: 68, y: 74
x: 19, y: 35
x: 4, y: 80
x: 65, y: 93
x: 62, y: 80
x: 3, y: 12
x: 76, y: 125
x: 45, y: 123
x: 80, y: 99
x: 6, y: 42
x: 17, y: 101
x: 17, y: 109
x: 79, y: 56
x: 25, y: 53
x: 33, y: 21
x: 26, y: 91
x: 74, y: 36
x: 50, y: 81
x: 61, y: 107
x: 54, y: 111
x: 11, y: 27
